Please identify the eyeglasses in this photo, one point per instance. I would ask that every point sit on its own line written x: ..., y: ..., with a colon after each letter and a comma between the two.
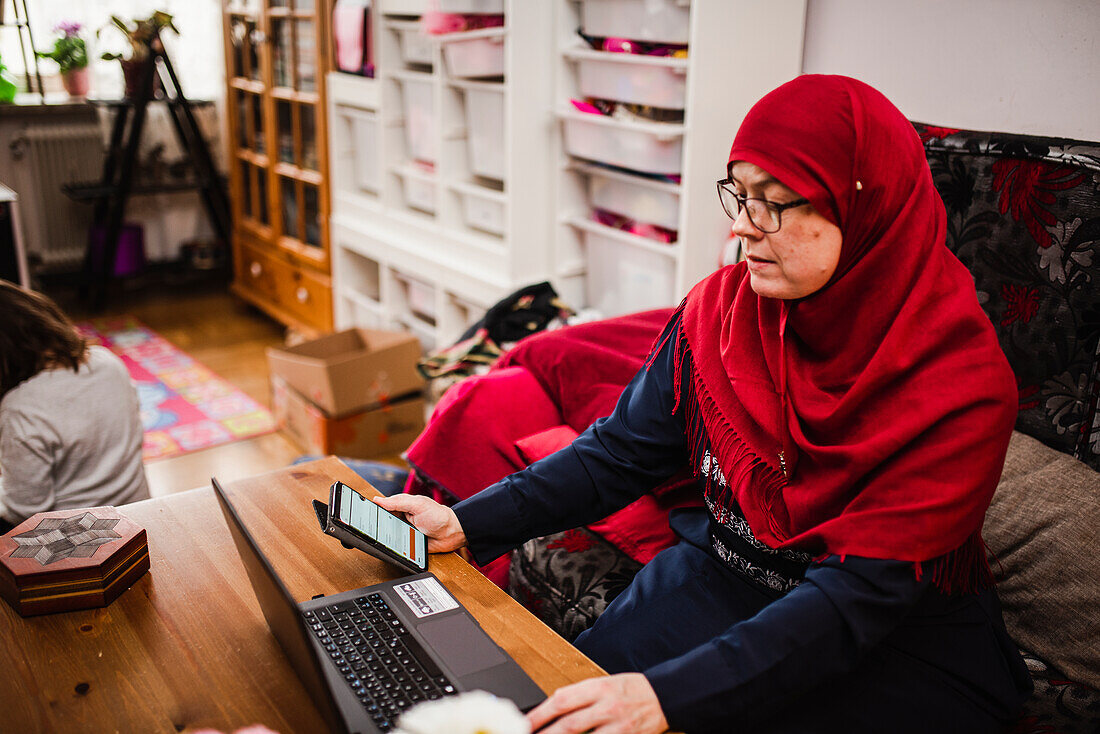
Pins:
x: 766, y: 216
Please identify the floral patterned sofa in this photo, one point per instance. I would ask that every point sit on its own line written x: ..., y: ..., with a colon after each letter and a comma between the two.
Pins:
x: 1023, y: 214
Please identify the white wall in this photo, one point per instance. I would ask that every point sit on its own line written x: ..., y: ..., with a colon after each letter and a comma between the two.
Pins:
x: 1019, y: 66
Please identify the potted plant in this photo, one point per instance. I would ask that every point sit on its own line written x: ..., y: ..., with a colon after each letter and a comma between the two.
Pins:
x: 71, y: 56
x: 141, y: 34
x: 8, y: 87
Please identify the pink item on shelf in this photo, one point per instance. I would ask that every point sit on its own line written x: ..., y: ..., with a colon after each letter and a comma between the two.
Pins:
x: 351, y: 31
x: 435, y: 22
x: 619, y: 45
x: 475, y: 22
x: 641, y: 229
x: 652, y: 232
x: 627, y: 46
x: 586, y: 107
x: 665, y: 49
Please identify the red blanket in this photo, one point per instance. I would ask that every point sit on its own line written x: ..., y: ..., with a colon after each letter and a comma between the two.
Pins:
x: 584, y: 368
x: 538, y: 396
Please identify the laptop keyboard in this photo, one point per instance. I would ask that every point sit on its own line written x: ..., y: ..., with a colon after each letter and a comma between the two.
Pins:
x: 385, y: 666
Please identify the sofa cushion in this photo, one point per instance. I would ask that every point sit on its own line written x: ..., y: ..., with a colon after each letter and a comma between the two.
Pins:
x: 1023, y: 215
x: 568, y: 579
x: 1041, y: 530
x: 542, y: 444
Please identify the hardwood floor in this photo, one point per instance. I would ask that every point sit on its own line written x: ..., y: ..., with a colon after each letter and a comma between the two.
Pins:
x: 227, y: 336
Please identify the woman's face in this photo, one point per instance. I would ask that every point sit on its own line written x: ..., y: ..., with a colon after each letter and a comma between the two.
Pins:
x: 797, y: 260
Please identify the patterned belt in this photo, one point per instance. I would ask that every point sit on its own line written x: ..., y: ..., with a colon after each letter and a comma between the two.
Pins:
x: 761, y: 575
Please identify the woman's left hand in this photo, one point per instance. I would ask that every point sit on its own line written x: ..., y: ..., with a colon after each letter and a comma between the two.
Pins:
x: 618, y: 704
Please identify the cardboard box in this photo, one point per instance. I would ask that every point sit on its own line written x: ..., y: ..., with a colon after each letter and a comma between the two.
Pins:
x: 350, y: 370
x: 362, y: 435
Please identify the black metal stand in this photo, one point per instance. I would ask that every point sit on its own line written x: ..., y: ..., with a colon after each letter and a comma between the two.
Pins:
x: 117, y: 183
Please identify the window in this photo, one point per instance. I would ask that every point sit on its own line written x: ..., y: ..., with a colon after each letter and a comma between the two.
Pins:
x: 196, y: 53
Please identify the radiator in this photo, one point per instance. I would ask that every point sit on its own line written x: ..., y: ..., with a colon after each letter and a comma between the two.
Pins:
x: 45, y: 156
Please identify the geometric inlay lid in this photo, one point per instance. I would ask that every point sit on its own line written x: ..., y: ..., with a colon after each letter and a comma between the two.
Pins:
x: 55, y: 538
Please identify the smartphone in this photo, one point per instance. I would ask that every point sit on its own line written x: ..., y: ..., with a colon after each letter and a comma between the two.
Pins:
x: 355, y: 520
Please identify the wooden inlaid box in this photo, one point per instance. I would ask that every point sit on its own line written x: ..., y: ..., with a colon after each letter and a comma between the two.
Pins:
x: 71, y: 559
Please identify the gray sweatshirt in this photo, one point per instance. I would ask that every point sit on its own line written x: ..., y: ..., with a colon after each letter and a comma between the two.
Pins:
x: 71, y: 439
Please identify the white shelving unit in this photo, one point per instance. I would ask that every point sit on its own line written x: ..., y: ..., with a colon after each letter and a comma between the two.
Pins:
x: 738, y: 50
x: 441, y: 200
x: 449, y: 192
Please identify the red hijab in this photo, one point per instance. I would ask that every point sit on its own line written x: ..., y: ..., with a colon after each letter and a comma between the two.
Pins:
x: 886, y: 391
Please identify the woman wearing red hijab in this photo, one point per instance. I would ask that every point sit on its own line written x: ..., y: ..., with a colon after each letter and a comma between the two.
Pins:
x: 842, y: 399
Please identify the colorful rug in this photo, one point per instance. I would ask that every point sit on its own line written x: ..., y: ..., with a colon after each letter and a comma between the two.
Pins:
x: 184, y: 406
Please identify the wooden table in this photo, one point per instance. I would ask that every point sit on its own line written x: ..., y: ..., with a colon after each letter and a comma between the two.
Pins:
x: 186, y: 647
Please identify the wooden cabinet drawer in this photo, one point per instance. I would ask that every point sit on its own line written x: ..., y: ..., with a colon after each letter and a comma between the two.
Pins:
x: 286, y: 289
x: 305, y: 294
x: 256, y: 273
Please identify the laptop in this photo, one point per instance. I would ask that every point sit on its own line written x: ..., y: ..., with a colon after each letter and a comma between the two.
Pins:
x: 367, y: 655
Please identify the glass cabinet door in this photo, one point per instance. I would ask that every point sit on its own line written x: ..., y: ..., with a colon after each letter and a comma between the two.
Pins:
x: 282, y: 51
x: 284, y: 114
x: 297, y: 134
x: 250, y: 121
x: 289, y: 208
x: 311, y: 215
x: 274, y: 65
x: 294, y: 51
x: 305, y: 56
x: 307, y: 126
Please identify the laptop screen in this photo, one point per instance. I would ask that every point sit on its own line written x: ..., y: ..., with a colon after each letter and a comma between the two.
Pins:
x: 282, y: 614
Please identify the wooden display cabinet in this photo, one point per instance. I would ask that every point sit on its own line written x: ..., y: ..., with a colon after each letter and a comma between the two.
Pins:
x: 276, y: 55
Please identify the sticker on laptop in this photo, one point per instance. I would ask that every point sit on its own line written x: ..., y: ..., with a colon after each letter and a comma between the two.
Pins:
x: 425, y: 597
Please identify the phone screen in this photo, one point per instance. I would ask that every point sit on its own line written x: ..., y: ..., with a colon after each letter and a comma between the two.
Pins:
x: 391, y: 531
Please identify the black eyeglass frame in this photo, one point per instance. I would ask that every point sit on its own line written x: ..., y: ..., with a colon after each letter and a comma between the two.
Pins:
x: 742, y: 202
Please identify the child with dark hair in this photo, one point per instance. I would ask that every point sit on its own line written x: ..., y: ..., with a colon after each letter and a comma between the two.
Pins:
x: 70, y: 426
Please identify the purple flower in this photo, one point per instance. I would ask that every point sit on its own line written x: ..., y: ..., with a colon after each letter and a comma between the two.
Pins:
x: 68, y: 28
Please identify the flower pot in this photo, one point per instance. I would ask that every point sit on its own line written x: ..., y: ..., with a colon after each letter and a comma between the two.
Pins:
x: 75, y: 82
x: 132, y: 72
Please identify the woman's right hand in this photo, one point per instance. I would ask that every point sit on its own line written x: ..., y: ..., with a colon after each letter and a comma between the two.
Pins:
x: 436, y: 521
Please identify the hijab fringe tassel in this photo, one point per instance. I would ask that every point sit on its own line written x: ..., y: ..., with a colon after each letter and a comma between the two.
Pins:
x: 720, y: 439
x: 963, y: 570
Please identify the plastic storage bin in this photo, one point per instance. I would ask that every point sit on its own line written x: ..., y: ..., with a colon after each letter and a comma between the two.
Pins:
x: 419, y: 102
x: 485, y: 129
x: 419, y: 296
x: 416, y: 46
x: 641, y: 200
x: 649, y: 147
x: 663, y: 21
x: 482, y: 209
x: 359, y: 311
x: 624, y: 278
x: 425, y: 333
x: 364, y: 141
x: 634, y: 79
x: 464, y: 313
x: 475, y: 54
x: 419, y: 190
x: 482, y: 7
